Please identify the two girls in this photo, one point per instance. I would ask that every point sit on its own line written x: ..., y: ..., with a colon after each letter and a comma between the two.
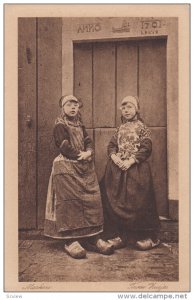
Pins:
x: 74, y: 210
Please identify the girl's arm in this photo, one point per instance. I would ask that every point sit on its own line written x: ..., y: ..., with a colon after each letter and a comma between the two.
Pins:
x: 113, y: 145
x: 88, y: 144
x: 145, y: 148
x: 88, y: 147
x: 144, y: 151
x: 113, y: 149
x: 62, y: 141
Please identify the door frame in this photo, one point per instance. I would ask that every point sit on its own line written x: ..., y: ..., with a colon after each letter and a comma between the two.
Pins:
x: 75, y: 30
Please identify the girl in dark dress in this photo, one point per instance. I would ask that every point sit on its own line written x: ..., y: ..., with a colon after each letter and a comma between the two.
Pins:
x: 127, y: 187
x: 74, y: 209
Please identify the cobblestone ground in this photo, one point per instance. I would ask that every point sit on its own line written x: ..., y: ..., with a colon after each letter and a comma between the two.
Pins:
x: 45, y: 261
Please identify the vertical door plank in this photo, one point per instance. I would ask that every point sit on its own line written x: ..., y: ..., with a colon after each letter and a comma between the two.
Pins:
x: 158, y: 163
x: 27, y: 135
x: 152, y: 94
x: 104, y: 84
x: 152, y: 81
x: 127, y: 67
x: 102, y: 137
x: 83, y: 80
x: 49, y: 93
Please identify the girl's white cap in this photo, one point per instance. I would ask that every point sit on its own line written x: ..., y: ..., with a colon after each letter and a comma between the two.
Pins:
x: 65, y: 99
x: 131, y: 99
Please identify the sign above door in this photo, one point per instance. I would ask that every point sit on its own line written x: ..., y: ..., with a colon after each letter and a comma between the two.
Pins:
x: 95, y: 28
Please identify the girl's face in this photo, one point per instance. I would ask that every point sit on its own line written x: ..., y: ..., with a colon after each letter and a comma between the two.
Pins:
x: 128, y: 111
x: 71, y: 108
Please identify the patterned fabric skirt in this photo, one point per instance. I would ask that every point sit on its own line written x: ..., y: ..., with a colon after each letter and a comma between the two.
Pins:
x: 73, y: 207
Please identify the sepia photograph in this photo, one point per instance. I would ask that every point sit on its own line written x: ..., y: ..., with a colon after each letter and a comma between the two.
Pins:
x: 98, y: 199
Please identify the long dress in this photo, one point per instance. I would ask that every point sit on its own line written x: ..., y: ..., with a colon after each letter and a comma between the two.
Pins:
x: 128, y: 196
x: 73, y: 207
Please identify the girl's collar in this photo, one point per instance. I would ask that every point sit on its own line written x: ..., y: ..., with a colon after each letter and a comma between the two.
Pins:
x: 64, y: 119
x: 124, y: 121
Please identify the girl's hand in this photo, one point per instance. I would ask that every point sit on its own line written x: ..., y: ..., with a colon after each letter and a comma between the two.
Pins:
x: 117, y: 160
x: 127, y: 164
x: 84, y: 155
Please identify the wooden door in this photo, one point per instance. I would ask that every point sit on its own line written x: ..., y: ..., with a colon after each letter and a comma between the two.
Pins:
x: 106, y: 72
x: 27, y: 123
x: 39, y: 91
